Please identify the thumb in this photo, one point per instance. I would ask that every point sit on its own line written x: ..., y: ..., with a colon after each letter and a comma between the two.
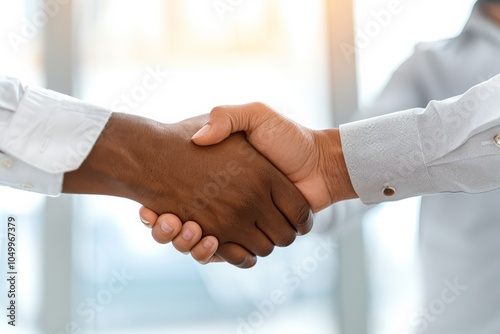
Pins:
x: 225, y: 120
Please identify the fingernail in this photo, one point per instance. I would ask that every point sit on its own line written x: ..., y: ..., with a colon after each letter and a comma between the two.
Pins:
x: 165, y: 227
x: 208, y: 244
x: 145, y: 222
x: 187, y: 234
x: 201, y: 132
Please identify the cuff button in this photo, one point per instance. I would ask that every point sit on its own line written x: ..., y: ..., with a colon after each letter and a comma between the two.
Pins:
x: 389, y: 191
x: 496, y: 139
x: 26, y: 186
x: 7, y: 164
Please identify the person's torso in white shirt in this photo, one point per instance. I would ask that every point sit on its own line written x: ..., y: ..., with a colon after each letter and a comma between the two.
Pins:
x: 459, y: 233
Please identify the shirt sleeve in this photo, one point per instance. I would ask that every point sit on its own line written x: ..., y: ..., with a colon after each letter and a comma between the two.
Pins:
x: 449, y: 146
x: 44, y: 134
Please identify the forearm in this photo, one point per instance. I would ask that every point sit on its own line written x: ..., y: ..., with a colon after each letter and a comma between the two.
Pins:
x: 120, y: 160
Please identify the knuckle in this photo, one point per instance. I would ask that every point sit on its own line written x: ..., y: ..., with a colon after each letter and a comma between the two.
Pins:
x: 218, y: 111
x: 260, y: 105
x: 303, y: 219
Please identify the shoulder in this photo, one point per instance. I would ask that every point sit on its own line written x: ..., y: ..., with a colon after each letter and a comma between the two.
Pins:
x: 436, y: 48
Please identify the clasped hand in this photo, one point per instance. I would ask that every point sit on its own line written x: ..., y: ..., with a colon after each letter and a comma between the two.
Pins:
x: 311, y: 160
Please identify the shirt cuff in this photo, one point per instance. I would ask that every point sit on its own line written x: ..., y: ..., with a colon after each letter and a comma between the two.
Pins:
x: 384, y: 157
x: 19, y: 175
x: 46, y: 136
x: 450, y: 146
x: 52, y: 131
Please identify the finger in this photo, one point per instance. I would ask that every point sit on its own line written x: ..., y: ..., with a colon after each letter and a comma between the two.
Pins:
x: 257, y: 242
x: 292, y: 205
x: 225, y: 120
x: 277, y: 228
x: 166, y: 228
x: 215, y: 259
x: 236, y: 255
x: 148, y: 217
x: 270, y: 133
x: 204, y: 251
x: 188, y: 237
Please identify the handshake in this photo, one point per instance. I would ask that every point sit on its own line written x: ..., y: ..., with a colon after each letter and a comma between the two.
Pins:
x: 228, y: 187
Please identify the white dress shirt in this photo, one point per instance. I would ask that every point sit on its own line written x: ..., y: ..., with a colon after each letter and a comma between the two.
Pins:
x: 455, y: 151
x: 43, y: 134
x: 450, y: 146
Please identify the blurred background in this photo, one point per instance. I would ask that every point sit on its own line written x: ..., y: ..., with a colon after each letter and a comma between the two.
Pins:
x: 86, y: 263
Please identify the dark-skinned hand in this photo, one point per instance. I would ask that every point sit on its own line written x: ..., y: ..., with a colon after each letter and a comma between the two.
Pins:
x: 230, y: 190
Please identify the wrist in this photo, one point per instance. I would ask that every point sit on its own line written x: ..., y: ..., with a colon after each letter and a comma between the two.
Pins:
x: 333, y: 166
x: 118, y: 161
